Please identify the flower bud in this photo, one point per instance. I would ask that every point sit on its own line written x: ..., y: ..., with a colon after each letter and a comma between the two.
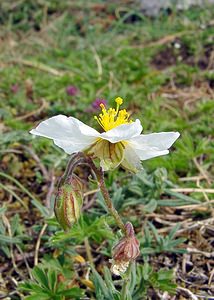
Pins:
x: 126, y: 250
x: 68, y: 202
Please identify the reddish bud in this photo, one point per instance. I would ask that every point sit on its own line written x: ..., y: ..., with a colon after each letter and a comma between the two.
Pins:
x: 126, y: 250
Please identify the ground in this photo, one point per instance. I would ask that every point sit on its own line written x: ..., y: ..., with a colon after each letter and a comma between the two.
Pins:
x: 163, y: 69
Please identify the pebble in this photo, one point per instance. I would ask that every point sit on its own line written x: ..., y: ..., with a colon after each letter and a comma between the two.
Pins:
x: 152, y: 8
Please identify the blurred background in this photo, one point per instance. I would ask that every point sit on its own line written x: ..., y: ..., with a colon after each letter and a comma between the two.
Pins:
x: 64, y: 57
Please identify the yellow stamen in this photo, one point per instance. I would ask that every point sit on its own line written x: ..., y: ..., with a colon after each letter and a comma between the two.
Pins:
x: 119, y: 100
x: 112, y: 118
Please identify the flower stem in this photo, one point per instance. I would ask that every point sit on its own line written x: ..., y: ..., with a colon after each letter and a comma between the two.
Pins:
x: 100, y: 179
x: 88, y: 251
x: 80, y: 158
x: 126, y: 282
x: 74, y: 161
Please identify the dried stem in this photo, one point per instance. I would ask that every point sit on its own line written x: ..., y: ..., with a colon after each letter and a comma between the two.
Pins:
x: 88, y: 251
x: 36, y: 257
x: 15, y: 267
x: 202, y: 171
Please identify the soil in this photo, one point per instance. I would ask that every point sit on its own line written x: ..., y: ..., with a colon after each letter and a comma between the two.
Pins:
x: 177, y: 52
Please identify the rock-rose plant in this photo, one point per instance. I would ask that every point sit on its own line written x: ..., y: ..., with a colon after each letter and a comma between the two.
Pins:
x: 120, y: 143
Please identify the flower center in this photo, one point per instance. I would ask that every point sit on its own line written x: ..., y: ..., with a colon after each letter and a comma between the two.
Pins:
x: 112, y: 118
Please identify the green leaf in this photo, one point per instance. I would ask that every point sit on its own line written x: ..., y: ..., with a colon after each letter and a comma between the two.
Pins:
x: 164, y: 274
x: 30, y: 286
x: 9, y: 240
x: 147, y: 251
x: 43, y: 210
x: 151, y: 206
x: 144, y: 179
x: 108, y: 280
x: 136, y: 189
x: 176, y: 242
x: 146, y: 271
x: 174, y: 231
x: 100, y: 286
x: 41, y: 277
x: 15, y: 224
x: 155, y: 232
x: 172, y: 202
x: 52, y: 279
x: 133, y: 279
x: 37, y: 296
x: 73, y: 292
x: 188, y: 200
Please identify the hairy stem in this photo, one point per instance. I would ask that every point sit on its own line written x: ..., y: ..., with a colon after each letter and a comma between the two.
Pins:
x: 81, y: 158
x: 74, y: 161
x: 100, y: 179
x: 126, y: 282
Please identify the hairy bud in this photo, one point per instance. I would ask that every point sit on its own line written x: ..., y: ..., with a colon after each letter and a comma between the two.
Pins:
x: 68, y: 202
x: 126, y: 250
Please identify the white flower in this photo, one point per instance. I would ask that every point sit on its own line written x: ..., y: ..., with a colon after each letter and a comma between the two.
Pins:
x: 119, y: 267
x: 121, y: 144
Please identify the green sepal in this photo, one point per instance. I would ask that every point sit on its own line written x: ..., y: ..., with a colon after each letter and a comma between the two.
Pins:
x: 68, y: 202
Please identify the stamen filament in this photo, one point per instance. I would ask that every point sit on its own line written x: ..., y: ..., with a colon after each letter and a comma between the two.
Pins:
x: 112, y: 118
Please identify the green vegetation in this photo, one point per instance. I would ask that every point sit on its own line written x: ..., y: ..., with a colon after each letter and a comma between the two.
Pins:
x: 163, y: 68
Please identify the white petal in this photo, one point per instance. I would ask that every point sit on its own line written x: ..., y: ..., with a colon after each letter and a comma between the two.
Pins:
x: 161, y: 140
x: 155, y: 144
x: 123, y: 132
x: 131, y: 159
x: 67, y: 132
x: 62, y: 127
x: 149, y: 153
x: 73, y: 147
